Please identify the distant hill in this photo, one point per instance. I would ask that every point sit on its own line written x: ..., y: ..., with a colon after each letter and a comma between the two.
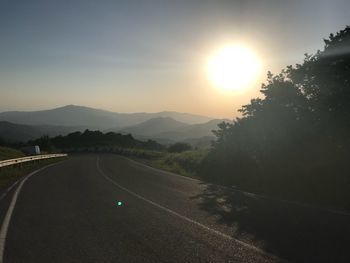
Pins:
x: 21, y: 133
x: 168, y: 130
x: 165, y: 127
x: 154, y: 126
x: 72, y: 115
x: 191, y: 131
x: 65, y: 116
x: 17, y: 132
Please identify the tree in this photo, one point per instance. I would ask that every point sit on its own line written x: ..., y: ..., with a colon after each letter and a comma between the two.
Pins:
x: 45, y: 144
x: 300, y: 126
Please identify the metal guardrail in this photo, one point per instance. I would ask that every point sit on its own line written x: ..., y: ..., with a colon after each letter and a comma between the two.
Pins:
x: 29, y: 158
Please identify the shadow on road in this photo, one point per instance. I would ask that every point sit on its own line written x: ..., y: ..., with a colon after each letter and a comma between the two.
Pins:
x: 293, y: 232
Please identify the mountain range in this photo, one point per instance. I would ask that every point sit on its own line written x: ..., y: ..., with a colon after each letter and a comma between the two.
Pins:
x: 168, y: 128
x: 72, y: 115
x: 165, y: 127
x: 14, y: 132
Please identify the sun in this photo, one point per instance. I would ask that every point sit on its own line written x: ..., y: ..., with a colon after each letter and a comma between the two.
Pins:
x: 233, y: 67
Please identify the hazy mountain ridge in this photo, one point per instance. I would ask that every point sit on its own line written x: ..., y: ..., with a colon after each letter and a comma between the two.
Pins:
x: 64, y: 116
x: 167, y: 130
x: 72, y: 115
x: 165, y: 127
x: 154, y: 126
x: 192, y: 131
x: 20, y: 132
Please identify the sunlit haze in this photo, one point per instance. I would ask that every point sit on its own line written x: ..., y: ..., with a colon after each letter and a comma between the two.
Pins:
x: 151, y: 56
x: 233, y: 67
x: 174, y: 131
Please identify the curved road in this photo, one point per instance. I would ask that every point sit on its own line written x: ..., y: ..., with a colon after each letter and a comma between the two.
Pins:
x: 69, y: 213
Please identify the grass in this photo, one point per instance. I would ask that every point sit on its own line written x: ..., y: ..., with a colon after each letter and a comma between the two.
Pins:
x: 9, y: 153
x: 12, y: 173
x: 139, y: 153
x: 184, y: 163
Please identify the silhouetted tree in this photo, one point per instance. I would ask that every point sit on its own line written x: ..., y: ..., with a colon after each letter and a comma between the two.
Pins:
x: 94, y: 140
x: 299, y: 129
x: 45, y: 144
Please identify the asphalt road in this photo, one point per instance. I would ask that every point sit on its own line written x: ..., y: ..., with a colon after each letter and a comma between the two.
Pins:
x: 69, y: 213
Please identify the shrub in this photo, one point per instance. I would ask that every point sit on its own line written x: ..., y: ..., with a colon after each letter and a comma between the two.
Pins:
x: 179, y: 147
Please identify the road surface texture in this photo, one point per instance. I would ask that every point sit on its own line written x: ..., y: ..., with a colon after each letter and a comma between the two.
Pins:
x: 69, y: 212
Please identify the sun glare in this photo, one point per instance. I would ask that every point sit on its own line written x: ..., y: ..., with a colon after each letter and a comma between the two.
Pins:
x: 233, y: 68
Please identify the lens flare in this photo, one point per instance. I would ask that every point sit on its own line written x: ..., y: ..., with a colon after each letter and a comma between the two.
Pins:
x: 233, y: 68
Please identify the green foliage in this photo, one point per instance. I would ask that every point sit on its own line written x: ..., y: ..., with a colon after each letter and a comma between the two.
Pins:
x: 138, y: 153
x: 45, y: 144
x: 295, y: 141
x: 184, y: 163
x: 179, y: 147
x: 9, y: 153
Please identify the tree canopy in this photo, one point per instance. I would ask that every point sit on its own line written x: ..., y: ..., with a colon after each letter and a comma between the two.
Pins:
x: 300, y: 127
x: 89, y: 138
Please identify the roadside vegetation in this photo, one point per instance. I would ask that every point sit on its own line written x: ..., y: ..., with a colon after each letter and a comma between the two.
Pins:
x: 9, y: 153
x: 93, y: 141
x: 185, y: 163
x: 178, y: 158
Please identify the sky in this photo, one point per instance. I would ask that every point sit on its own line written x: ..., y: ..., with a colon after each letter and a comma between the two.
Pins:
x: 149, y: 56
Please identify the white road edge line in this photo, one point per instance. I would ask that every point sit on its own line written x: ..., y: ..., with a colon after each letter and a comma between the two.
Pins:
x: 8, y: 190
x: 7, y: 219
x: 259, y: 250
